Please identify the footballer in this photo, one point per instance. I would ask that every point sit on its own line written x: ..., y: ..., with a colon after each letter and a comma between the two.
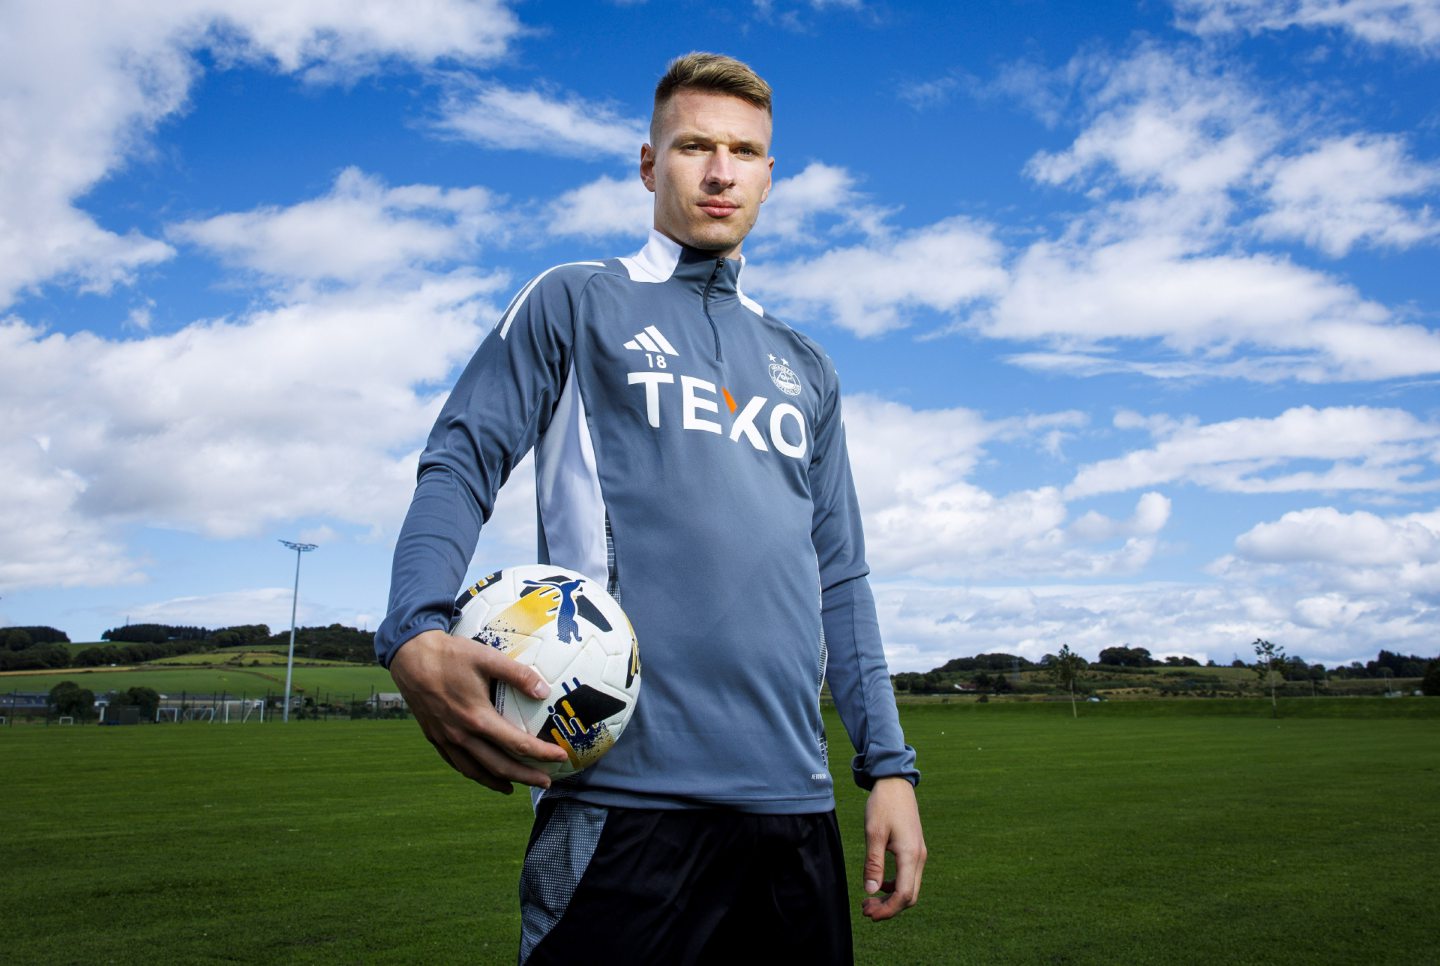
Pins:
x: 690, y: 458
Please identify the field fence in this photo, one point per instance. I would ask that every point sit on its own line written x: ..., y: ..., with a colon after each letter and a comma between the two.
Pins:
x: 212, y: 708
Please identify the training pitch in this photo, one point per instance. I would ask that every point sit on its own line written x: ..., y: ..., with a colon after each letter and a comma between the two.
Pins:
x: 1156, y: 832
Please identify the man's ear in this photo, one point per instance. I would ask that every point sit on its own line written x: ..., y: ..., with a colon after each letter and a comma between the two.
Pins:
x: 647, y: 166
x: 768, y: 184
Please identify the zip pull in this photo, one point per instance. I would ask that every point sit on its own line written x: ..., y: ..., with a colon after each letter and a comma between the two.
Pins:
x: 709, y: 287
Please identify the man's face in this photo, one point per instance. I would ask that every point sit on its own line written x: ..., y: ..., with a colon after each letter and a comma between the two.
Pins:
x: 709, y: 169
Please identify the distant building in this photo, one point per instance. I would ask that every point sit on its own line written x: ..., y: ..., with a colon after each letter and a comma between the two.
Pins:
x: 24, y: 702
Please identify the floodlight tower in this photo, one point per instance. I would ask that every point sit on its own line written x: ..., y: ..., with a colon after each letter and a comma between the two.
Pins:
x: 299, y: 548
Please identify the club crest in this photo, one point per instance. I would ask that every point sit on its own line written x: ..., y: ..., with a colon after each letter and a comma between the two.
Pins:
x: 784, y: 377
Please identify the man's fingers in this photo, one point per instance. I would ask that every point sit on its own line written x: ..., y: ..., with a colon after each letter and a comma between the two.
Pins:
x: 509, y: 738
x: 874, y: 874
x: 467, y: 766
x: 481, y: 721
x: 878, y: 910
x: 889, y: 905
x: 498, y: 746
x: 480, y: 762
x: 446, y: 682
x: 899, y: 893
x: 494, y: 744
x: 892, y: 825
x: 906, y: 887
x: 492, y: 664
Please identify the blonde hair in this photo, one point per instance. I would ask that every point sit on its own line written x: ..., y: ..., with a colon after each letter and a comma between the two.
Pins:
x: 713, y: 73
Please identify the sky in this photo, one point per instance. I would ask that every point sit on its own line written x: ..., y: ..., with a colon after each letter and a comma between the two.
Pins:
x: 1134, y: 304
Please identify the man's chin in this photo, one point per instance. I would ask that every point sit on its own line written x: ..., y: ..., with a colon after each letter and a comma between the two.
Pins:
x: 718, y: 242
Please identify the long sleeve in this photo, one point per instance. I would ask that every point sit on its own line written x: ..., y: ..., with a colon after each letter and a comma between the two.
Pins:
x: 856, y: 669
x: 860, y: 685
x: 493, y: 417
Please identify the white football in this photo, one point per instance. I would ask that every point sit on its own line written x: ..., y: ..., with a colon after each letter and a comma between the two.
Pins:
x: 575, y: 635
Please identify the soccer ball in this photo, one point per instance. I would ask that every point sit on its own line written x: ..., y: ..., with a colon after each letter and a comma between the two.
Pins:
x: 575, y: 635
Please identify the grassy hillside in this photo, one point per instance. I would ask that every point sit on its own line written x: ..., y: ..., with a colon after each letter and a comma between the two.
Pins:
x: 169, y: 679
x: 1112, y: 683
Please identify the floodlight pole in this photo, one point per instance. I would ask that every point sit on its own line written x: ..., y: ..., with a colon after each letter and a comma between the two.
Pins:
x: 299, y: 548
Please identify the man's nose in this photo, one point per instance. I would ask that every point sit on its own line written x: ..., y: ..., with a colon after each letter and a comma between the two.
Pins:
x: 721, y: 169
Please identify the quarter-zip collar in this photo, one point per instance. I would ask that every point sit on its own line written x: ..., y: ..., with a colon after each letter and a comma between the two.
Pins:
x: 664, y: 259
x: 715, y: 281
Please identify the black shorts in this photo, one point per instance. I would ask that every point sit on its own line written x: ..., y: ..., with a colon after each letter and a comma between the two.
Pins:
x: 606, y: 886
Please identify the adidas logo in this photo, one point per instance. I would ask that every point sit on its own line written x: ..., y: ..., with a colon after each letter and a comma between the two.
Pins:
x: 649, y: 339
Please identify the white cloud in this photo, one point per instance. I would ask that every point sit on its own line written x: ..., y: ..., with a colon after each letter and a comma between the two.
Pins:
x: 1400, y: 23
x: 336, y: 40
x: 1182, y: 165
x: 925, y: 94
x: 84, y: 88
x: 1254, y: 316
x: 926, y: 624
x: 875, y: 287
x: 310, y: 410
x: 924, y: 516
x: 1359, y: 539
x: 1346, y: 584
x: 604, y: 208
x: 259, y: 605
x: 783, y: 12
x: 1364, y: 449
x: 819, y: 192
x: 360, y: 231
x: 1345, y: 192
x: 501, y: 117
x: 1328, y: 585
x: 1156, y: 120
x: 1150, y: 516
x: 612, y: 207
x: 44, y: 541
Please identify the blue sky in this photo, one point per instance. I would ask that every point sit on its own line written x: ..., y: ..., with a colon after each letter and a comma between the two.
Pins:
x: 1134, y: 304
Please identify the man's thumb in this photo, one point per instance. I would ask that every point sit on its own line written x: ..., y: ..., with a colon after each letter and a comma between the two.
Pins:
x: 874, y: 864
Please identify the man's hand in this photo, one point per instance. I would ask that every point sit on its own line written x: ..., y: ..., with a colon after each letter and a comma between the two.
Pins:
x: 892, y: 824
x: 446, y: 682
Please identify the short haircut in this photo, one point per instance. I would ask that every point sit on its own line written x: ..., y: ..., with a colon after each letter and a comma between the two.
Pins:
x: 712, y: 73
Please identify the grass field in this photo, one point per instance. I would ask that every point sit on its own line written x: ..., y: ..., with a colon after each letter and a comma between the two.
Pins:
x: 1140, y: 833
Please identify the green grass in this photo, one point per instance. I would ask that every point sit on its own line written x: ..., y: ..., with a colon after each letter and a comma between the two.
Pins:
x: 1140, y: 833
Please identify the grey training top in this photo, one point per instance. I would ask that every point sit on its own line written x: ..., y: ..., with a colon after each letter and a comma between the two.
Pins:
x: 690, y: 455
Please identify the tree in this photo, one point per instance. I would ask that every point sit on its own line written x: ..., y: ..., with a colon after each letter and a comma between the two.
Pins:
x: 35, y: 658
x: 1269, y: 665
x: 67, y: 697
x: 1127, y: 656
x: 1430, y: 684
x: 146, y: 699
x: 19, y: 638
x: 1065, y: 668
x: 98, y: 656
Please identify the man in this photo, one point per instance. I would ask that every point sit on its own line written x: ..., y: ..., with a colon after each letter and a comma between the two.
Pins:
x: 689, y: 455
